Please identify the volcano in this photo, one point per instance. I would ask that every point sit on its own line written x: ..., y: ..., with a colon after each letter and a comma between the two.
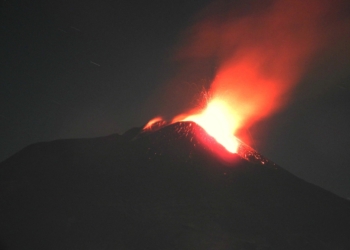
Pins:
x: 167, y: 187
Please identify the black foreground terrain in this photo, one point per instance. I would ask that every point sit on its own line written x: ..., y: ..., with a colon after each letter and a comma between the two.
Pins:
x: 161, y: 189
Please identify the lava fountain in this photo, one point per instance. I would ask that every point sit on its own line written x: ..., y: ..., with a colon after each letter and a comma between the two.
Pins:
x: 217, y: 120
x: 259, y: 57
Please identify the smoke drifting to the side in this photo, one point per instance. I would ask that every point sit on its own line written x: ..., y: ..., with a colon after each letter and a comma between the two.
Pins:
x: 260, y: 50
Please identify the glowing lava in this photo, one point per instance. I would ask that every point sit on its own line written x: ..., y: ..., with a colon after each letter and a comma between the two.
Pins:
x: 152, y: 122
x: 218, y: 121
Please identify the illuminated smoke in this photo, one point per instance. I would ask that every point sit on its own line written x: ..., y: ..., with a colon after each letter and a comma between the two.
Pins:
x: 260, y: 49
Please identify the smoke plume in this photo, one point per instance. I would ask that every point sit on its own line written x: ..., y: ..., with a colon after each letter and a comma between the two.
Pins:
x: 256, y: 52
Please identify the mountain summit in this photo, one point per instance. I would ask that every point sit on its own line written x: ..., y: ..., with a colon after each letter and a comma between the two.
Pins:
x: 171, y: 187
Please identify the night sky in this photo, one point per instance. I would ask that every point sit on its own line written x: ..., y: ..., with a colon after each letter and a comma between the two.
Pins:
x: 74, y: 69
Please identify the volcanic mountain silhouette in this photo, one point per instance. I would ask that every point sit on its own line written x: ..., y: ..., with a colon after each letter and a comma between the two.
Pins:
x: 161, y: 189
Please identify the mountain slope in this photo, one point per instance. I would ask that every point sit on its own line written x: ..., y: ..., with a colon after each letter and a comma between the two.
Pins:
x: 161, y: 189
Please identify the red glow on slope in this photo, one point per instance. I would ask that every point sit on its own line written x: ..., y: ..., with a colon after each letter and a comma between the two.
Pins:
x: 217, y: 120
x: 151, y: 123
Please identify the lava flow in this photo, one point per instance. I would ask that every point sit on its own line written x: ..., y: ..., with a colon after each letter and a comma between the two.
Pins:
x: 217, y: 120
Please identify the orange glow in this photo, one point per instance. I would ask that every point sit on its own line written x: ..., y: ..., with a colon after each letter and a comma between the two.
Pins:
x: 152, y: 122
x: 218, y: 121
x: 254, y: 58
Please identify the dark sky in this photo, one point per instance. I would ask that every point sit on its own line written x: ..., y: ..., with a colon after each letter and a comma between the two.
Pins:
x: 91, y: 68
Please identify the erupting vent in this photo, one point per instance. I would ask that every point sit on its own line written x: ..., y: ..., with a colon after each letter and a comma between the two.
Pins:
x: 193, y: 129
